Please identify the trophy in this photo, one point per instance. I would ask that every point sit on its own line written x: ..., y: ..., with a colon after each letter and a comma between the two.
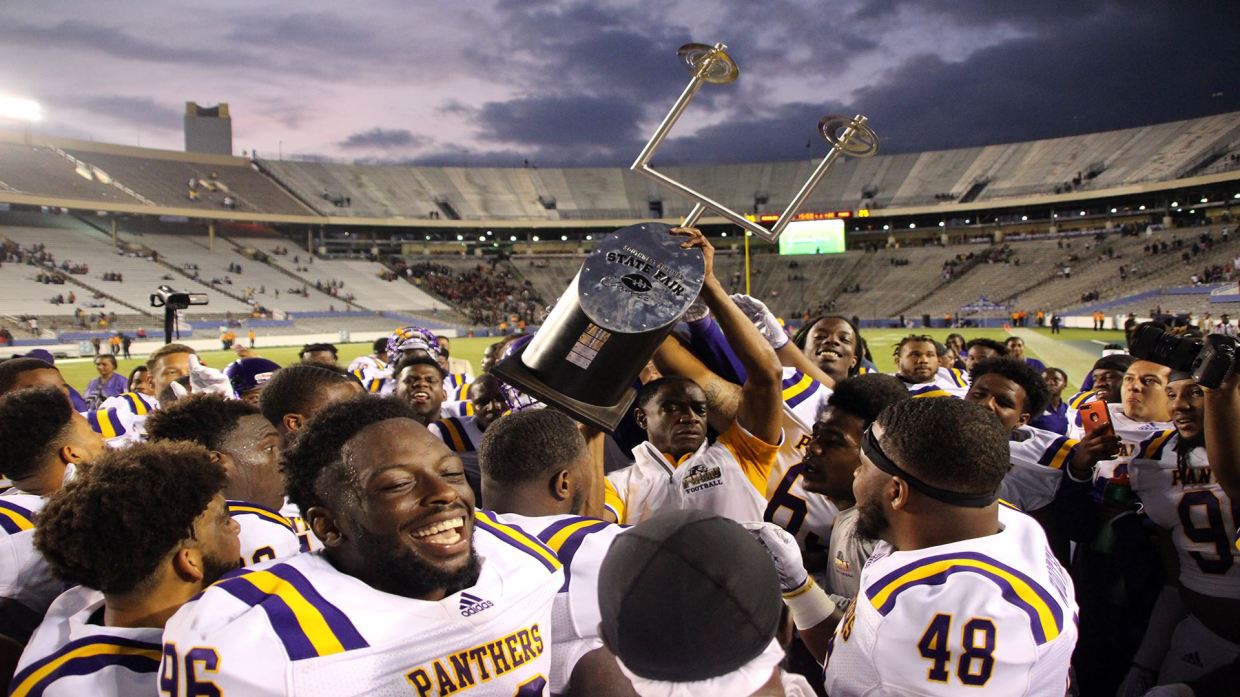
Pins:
x: 636, y: 283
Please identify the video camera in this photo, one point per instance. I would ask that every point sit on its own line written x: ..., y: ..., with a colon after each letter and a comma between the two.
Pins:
x: 1209, y: 360
x: 165, y: 296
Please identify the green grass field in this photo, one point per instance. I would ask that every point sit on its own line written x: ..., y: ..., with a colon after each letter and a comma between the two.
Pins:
x: 1075, y: 351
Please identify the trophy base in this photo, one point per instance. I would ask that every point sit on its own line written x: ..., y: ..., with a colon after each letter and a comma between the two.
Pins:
x: 603, y: 417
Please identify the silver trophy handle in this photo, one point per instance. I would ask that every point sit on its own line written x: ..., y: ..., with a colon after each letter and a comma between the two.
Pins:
x: 850, y: 136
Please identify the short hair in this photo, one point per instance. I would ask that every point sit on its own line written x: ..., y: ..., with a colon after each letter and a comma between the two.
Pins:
x: 410, y: 361
x: 31, y: 422
x: 134, y: 373
x: 167, y: 350
x: 14, y: 368
x: 1118, y: 362
x: 973, y: 460
x: 866, y: 396
x: 202, y: 418
x: 310, y: 348
x: 1037, y: 395
x: 379, y: 346
x: 110, y: 527
x: 1062, y: 373
x: 996, y: 346
x: 524, y: 445
x: 108, y: 357
x: 914, y: 339
x: 315, y: 451
x: 859, y: 349
x: 290, y: 390
x: 650, y: 389
x: 1010, y: 339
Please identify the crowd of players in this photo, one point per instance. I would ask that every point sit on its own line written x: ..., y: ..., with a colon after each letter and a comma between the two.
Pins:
x: 774, y: 517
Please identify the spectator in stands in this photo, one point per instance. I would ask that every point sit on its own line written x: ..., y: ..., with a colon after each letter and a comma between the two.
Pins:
x: 319, y: 354
x: 1225, y: 327
x: 1016, y: 349
x: 108, y: 384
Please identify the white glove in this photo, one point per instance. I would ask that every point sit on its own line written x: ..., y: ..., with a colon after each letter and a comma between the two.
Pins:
x: 784, y: 553
x: 763, y: 319
x: 1137, y: 682
x: 808, y: 604
x: 204, y: 379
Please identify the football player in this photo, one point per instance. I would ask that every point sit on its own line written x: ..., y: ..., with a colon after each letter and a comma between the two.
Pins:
x: 420, y: 382
x: 319, y: 354
x: 538, y: 474
x: 463, y: 434
x: 247, y: 446
x: 675, y: 467
x: 1195, y: 625
x: 962, y: 591
x: 45, y: 443
x: 980, y: 349
x: 376, y: 360
x: 21, y: 373
x: 831, y: 458
x: 415, y: 592
x: 1142, y: 410
x: 102, y: 637
x: 917, y: 361
x: 248, y: 377
x: 298, y: 392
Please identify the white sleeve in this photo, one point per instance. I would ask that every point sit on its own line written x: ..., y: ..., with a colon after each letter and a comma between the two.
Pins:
x: 203, y: 655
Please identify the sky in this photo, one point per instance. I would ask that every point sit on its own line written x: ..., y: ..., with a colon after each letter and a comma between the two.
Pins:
x: 584, y: 83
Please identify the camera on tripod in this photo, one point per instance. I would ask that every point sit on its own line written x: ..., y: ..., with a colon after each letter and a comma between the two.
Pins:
x: 164, y: 296
x: 1209, y: 360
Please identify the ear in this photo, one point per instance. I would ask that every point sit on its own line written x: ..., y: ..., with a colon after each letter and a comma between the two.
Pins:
x: 292, y: 422
x: 561, y: 487
x: 1025, y: 418
x: 71, y: 454
x: 224, y: 460
x: 322, y: 522
x: 639, y: 415
x: 187, y: 563
x: 897, y: 493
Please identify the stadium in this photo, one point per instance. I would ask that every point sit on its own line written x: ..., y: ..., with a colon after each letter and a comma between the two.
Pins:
x: 884, y: 420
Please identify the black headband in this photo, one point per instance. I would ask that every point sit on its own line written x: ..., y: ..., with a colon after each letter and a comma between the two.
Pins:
x: 872, y: 450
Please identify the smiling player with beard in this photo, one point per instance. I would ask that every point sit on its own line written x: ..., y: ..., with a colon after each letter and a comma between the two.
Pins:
x: 917, y: 363
x: 414, y: 593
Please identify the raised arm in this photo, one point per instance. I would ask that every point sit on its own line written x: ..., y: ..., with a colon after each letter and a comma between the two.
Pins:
x: 1222, y: 413
x: 722, y: 396
x: 761, y: 406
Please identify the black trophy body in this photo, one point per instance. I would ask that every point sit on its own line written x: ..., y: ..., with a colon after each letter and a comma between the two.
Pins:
x: 608, y: 323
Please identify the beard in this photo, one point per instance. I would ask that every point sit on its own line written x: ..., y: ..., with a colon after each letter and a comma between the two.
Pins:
x: 871, y: 521
x: 396, y: 570
x: 214, y: 568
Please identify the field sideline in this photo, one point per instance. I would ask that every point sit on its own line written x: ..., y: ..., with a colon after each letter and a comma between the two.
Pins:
x: 1075, y: 351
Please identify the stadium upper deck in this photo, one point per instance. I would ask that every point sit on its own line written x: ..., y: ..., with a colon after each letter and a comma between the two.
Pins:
x: 108, y: 177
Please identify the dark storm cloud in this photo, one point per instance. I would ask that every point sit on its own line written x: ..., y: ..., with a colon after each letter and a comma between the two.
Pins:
x: 383, y: 139
x: 110, y: 41
x: 137, y: 111
x: 1117, y: 70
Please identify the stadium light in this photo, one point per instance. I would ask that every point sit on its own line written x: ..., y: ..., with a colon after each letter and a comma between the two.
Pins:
x: 942, y: 224
x: 428, y: 237
x: 1082, y: 212
x: 967, y: 221
x: 1023, y: 218
x: 460, y: 239
x: 563, y: 238
x: 886, y: 227
x: 1142, y: 206
x: 513, y: 238
x: 1175, y: 204
x: 482, y: 238
x: 1204, y: 199
x: 20, y: 109
x: 589, y: 237
x: 912, y: 226
x: 1113, y: 210
x: 535, y: 238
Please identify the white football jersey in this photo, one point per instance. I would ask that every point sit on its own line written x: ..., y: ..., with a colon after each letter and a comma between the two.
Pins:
x: 805, y: 515
x: 369, y: 362
x: 580, y: 543
x: 1038, y: 460
x: 456, y: 386
x: 727, y: 477
x: 375, y: 377
x: 1194, y: 508
x: 73, y: 654
x: 300, y: 627
x: 308, y: 540
x: 996, y: 612
x: 265, y: 534
x: 26, y: 580
x: 948, y: 382
x: 460, y: 434
x: 1131, y: 434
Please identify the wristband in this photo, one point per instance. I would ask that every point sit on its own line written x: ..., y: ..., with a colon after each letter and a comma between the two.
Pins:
x: 809, y: 605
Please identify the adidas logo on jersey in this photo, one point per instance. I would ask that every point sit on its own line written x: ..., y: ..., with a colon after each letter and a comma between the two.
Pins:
x: 472, y: 605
